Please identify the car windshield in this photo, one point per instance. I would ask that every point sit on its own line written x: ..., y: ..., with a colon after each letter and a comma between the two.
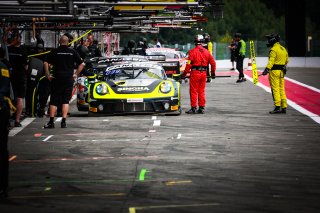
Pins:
x: 134, y: 73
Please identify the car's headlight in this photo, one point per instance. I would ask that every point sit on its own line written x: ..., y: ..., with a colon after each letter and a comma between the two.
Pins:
x: 102, y: 89
x: 165, y: 87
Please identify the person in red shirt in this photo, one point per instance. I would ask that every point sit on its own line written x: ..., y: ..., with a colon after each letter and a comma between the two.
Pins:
x: 199, y: 59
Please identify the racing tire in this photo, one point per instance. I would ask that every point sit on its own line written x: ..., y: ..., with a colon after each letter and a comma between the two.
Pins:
x: 177, y: 113
x: 82, y: 108
x: 92, y: 114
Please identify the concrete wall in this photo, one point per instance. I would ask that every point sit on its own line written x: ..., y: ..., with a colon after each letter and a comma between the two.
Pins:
x: 311, y: 62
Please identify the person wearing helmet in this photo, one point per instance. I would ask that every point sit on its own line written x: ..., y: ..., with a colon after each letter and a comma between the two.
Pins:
x: 198, y: 64
x: 208, y: 45
x: 240, y: 54
x: 276, y: 68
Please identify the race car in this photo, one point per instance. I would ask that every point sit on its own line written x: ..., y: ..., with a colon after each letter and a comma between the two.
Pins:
x: 136, y: 87
x: 93, y: 66
x: 171, y: 56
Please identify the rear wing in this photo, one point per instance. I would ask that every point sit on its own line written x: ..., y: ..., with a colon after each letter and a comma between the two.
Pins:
x: 156, y: 57
x: 171, y: 67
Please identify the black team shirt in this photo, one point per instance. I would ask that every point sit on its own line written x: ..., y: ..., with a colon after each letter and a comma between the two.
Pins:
x: 63, y: 60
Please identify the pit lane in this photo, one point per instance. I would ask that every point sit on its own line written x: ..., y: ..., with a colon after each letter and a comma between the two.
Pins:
x: 235, y: 158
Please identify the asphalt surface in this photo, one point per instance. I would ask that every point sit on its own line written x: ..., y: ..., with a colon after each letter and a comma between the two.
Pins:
x: 234, y: 158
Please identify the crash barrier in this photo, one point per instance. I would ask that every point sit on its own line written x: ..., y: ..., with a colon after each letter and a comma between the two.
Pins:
x: 298, y: 62
x: 221, y: 50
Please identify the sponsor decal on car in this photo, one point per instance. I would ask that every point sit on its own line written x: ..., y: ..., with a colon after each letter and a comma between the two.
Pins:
x: 132, y: 89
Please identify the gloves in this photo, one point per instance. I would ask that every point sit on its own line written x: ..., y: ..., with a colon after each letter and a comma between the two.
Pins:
x: 213, y: 75
x: 266, y: 71
x: 285, y: 69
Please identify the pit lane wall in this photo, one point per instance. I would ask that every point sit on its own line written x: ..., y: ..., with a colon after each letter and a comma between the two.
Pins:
x: 307, y: 62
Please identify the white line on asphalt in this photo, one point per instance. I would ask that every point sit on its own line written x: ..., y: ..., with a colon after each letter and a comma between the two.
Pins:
x: 156, y: 122
x: 313, y: 116
x: 297, y: 107
x: 24, y: 124
x: 154, y: 118
x: 47, y: 138
x: 179, y: 136
x: 302, y: 84
x: 59, y: 119
x: 152, y: 130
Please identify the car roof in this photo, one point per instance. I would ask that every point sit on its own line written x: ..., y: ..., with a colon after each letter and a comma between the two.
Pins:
x: 145, y: 64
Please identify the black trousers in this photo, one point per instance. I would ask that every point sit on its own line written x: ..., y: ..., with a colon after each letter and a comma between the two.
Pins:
x: 239, y: 66
x: 4, y: 153
x: 44, y: 92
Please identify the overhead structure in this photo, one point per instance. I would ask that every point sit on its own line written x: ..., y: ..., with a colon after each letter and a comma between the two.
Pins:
x: 112, y: 16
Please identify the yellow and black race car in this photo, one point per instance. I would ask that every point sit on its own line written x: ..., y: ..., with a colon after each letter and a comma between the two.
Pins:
x: 136, y: 87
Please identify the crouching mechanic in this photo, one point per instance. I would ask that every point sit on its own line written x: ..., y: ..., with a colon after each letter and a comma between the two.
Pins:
x: 199, y: 59
x: 276, y: 68
x: 63, y: 60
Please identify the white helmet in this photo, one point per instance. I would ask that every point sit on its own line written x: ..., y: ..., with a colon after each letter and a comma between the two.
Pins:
x: 199, y: 39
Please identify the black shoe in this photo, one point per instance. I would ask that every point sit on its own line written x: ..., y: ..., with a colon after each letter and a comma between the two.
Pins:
x: 239, y: 80
x: 201, y: 110
x: 49, y: 125
x: 232, y: 69
x: 17, y: 124
x: 63, y: 125
x: 191, y: 111
x: 284, y: 110
x: 40, y: 113
x: 276, y: 110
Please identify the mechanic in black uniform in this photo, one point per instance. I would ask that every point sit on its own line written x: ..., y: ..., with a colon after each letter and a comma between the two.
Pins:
x: 63, y: 59
x: 94, y: 50
x: 19, y: 62
x: 44, y: 88
x: 4, y: 122
x: 82, y: 49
